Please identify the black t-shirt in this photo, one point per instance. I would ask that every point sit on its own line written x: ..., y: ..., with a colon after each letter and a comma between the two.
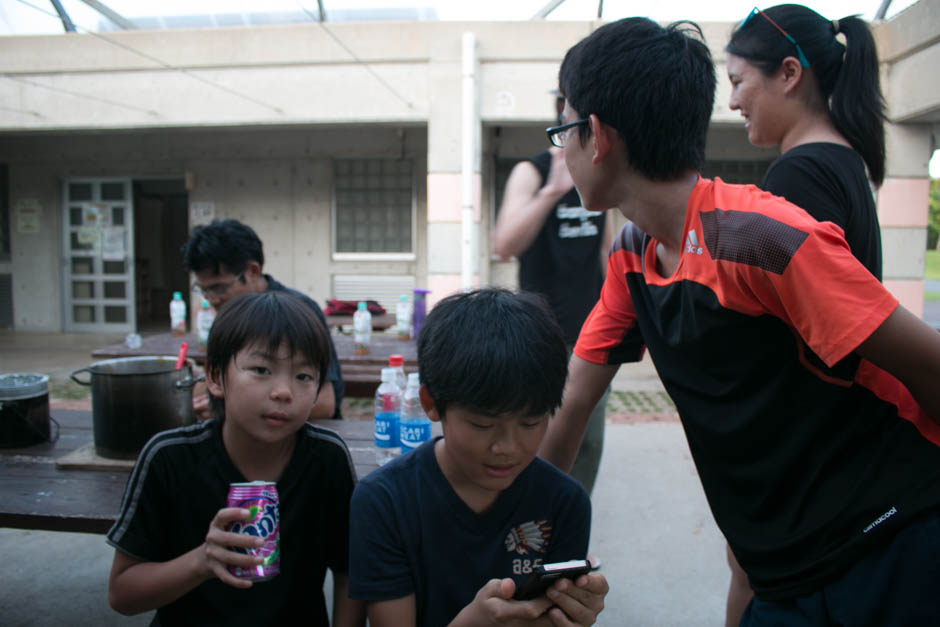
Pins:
x: 829, y: 182
x: 412, y: 534
x: 180, y: 482
x: 563, y: 262
x: 333, y: 374
x: 805, y: 472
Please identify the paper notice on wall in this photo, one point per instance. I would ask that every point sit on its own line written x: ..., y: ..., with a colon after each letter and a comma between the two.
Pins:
x: 201, y: 212
x: 28, y: 215
x: 91, y: 215
x: 87, y: 236
x: 102, y: 214
x: 113, y: 244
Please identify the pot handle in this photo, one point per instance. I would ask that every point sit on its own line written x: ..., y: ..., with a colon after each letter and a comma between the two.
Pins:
x: 189, y: 382
x: 79, y: 381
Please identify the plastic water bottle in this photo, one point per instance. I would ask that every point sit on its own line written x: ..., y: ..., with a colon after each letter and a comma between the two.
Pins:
x: 415, y: 424
x: 403, y: 318
x: 387, y: 416
x: 398, y: 363
x: 362, y: 329
x: 178, y: 314
x: 204, y: 319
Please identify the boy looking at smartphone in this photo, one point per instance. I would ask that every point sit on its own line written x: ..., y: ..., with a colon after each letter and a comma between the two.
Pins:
x: 444, y: 535
x: 264, y: 366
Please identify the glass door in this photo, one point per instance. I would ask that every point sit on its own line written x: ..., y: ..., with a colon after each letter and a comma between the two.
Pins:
x: 98, y: 245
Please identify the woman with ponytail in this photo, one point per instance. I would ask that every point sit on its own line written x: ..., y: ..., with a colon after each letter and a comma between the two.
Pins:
x: 800, y: 87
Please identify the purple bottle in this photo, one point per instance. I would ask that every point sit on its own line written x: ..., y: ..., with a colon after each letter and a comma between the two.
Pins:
x: 419, y: 311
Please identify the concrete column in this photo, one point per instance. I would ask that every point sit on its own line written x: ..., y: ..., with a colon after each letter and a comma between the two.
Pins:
x: 902, y: 212
x: 444, y: 174
x: 36, y: 252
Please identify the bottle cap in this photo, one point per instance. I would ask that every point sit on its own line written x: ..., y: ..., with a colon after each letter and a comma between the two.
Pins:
x: 396, y: 360
x: 403, y: 298
x: 177, y: 296
x: 389, y: 375
x: 414, y: 379
x: 205, y: 304
x: 361, y: 306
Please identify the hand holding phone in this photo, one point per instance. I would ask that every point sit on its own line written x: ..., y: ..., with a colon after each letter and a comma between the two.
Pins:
x: 543, y: 576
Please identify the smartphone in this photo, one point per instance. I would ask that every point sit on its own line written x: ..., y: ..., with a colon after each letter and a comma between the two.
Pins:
x: 543, y: 576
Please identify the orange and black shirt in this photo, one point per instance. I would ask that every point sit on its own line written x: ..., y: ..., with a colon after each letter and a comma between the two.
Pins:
x: 809, y: 455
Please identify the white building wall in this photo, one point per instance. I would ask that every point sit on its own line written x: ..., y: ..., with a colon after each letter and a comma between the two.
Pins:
x: 256, y: 115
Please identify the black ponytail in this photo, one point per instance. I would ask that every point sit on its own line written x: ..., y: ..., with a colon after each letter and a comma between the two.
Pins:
x: 847, y: 75
x: 856, y: 105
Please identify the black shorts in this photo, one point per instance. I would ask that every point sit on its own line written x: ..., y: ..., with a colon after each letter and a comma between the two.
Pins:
x: 898, y: 584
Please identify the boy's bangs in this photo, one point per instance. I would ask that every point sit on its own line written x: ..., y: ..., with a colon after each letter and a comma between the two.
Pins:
x: 269, y: 319
x: 493, y: 352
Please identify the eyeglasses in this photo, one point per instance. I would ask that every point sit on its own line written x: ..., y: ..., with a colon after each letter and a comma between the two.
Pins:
x: 558, y: 134
x: 799, y: 51
x: 217, y: 289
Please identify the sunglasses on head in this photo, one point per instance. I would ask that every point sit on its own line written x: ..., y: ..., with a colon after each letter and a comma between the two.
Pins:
x: 799, y: 51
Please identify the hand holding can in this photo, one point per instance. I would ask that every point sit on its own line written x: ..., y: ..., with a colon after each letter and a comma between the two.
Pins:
x: 223, y: 549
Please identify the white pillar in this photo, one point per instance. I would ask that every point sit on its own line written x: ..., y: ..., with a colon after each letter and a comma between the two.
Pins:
x: 470, y: 119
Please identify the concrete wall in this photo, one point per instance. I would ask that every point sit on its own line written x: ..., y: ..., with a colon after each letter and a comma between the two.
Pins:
x: 909, y: 48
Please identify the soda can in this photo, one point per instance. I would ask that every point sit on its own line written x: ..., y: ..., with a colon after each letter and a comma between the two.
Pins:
x: 259, y: 498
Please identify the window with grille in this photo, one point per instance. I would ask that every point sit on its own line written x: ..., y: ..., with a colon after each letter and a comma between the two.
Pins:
x: 373, y: 210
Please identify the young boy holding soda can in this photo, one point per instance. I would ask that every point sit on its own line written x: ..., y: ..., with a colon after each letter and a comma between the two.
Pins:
x: 201, y: 550
x: 447, y: 534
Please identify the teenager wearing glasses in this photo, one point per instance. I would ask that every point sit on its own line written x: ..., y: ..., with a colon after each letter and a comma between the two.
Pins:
x: 826, y: 485
x: 227, y: 259
x: 800, y: 88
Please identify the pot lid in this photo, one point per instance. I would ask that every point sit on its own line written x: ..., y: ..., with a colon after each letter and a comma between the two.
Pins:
x: 22, y: 385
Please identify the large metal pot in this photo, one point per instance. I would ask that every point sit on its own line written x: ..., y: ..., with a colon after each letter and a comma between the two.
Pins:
x: 24, y: 409
x: 132, y: 398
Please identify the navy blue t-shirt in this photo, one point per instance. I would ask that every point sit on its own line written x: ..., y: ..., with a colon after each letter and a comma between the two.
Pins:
x: 411, y: 533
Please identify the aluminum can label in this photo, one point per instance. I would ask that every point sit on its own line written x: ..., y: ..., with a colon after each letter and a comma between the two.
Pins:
x: 260, y: 498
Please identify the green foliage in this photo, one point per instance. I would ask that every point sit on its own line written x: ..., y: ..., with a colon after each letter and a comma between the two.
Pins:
x: 932, y: 265
x: 933, y: 217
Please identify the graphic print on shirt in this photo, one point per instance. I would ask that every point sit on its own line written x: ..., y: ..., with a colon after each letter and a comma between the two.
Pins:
x: 584, y: 228
x: 691, y: 243
x: 529, y: 537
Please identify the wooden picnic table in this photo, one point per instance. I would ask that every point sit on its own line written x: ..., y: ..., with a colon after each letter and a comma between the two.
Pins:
x: 157, y: 344
x: 362, y: 374
x: 36, y: 493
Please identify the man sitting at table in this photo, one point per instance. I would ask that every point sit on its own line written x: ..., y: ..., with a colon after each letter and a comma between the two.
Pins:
x: 227, y: 258
x: 444, y: 534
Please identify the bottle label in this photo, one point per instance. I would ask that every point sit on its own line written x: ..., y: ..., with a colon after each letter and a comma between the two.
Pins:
x: 386, y: 430
x: 413, y: 433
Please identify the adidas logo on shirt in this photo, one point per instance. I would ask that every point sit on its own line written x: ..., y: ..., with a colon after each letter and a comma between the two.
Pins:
x: 691, y: 243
